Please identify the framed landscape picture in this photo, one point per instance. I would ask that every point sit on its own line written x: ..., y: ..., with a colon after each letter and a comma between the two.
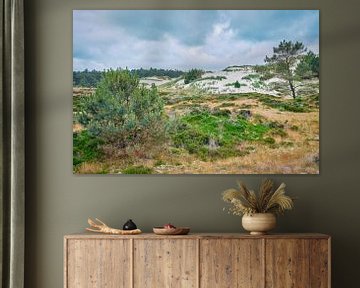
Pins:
x: 196, y: 91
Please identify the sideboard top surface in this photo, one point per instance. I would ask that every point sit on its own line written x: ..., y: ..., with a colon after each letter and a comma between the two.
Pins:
x: 87, y: 235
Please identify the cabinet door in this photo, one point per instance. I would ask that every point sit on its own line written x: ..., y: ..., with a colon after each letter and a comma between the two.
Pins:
x: 98, y: 263
x: 231, y: 263
x: 320, y: 263
x: 165, y: 263
x: 287, y: 263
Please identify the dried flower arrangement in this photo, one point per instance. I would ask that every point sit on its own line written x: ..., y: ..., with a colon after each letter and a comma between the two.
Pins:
x: 267, y: 200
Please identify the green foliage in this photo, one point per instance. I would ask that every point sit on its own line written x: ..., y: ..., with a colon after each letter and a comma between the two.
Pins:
x: 227, y: 104
x: 278, y: 132
x: 237, y: 84
x: 264, y: 71
x: 309, y: 66
x: 192, y: 75
x: 87, y: 78
x: 251, y: 77
x: 256, y: 80
x: 77, y: 103
x: 137, y: 170
x: 86, y: 148
x: 157, y: 72
x: 121, y: 112
x: 296, y: 105
x: 269, y: 140
x: 159, y: 163
x: 284, y: 59
x: 294, y: 128
x: 236, y: 68
x: 300, y: 104
x: 92, y: 78
x: 212, y: 135
x: 219, y: 78
x: 258, y: 84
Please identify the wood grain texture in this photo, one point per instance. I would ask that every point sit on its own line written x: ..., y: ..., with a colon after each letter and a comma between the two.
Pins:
x: 231, y: 263
x: 197, y: 260
x: 98, y: 264
x: 88, y: 235
x: 319, y: 263
x: 287, y: 263
x: 166, y: 263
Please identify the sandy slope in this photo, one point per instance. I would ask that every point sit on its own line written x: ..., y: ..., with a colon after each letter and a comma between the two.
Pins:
x: 220, y: 82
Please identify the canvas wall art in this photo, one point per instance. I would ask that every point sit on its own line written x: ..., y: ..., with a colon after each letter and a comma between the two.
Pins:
x: 196, y: 91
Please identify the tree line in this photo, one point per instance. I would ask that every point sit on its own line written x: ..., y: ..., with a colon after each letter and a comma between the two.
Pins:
x: 91, y: 78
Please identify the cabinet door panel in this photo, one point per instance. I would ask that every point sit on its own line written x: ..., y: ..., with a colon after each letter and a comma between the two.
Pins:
x: 98, y: 264
x: 231, y: 263
x: 319, y: 263
x: 166, y: 263
x: 287, y: 263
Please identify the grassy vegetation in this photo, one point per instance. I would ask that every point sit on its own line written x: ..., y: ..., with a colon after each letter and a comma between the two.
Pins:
x: 86, y: 148
x: 299, y: 105
x: 199, y: 125
x: 235, y: 84
x: 137, y: 170
x: 214, y: 134
x: 219, y: 78
x: 227, y: 104
x: 78, y: 103
x: 251, y: 77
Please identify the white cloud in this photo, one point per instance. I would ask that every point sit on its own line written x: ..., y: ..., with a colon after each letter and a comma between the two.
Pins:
x: 100, y: 45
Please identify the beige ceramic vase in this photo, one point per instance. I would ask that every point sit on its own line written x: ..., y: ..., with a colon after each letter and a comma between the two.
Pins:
x: 259, y: 223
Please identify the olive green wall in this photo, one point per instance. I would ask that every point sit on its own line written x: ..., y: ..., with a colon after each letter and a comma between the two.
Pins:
x: 59, y: 202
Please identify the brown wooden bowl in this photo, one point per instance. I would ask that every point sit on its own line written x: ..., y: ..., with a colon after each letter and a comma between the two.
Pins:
x: 171, y: 231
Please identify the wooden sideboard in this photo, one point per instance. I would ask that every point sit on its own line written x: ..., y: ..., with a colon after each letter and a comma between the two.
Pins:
x: 197, y: 260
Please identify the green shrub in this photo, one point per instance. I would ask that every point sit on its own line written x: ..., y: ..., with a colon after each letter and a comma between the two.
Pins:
x: 309, y: 66
x: 227, y: 104
x: 294, y: 128
x: 219, y: 78
x: 286, y: 144
x: 269, y: 140
x: 237, y: 84
x: 159, y: 163
x: 85, y: 148
x: 278, y: 132
x: 137, y: 170
x: 292, y: 105
x: 123, y: 113
x: 210, y: 135
x: 251, y: 77
x: 192, y: 75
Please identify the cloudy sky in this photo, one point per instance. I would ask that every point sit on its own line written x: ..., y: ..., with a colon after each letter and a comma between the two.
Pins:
x: 185, y: 39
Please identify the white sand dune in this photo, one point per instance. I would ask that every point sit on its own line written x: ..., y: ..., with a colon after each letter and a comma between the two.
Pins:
x: 223, y: 82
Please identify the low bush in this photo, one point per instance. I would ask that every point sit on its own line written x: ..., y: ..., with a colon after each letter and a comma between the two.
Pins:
x: 192, y: 75
x: 210, y: 135
x: 86, y: 148
x: 292, y: 105
x: 137, y: 170
x: 251, y: 77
